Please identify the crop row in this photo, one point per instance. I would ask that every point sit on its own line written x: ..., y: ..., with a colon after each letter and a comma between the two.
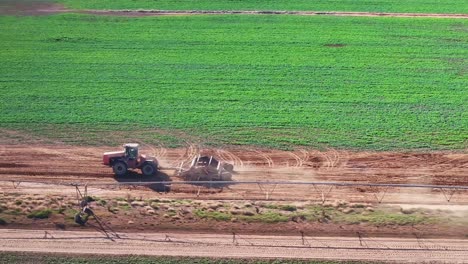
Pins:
x: 374, y: 83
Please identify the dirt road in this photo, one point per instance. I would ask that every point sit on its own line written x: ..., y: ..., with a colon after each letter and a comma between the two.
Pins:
x: 242, y: 12
x: 46, y: 8
x: 246, y: 246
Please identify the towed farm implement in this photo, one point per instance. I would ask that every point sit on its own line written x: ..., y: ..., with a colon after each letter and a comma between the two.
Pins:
x: 202, y: 168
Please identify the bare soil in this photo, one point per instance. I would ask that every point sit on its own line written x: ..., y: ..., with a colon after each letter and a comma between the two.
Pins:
x: 394, y: 250
x: 48, y: 167
x: 30, y: 8
x: 61, y: 163
x: 65, y: 164
x: 27, y: 7
x: 133, y: 13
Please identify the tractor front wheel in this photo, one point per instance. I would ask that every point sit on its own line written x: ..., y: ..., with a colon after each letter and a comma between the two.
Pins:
x: 120, y: 168
x: 148, y: 169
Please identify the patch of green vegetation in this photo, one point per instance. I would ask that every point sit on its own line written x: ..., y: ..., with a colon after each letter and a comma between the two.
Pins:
x: 266, y: 217
x: 113, y: 210
x: 91, y: 199
x: 171, y: 213
x: 125, y: 207
x: 218, y: 216
x: 70, y: 213
x: 40, y: 214
x: 40, y: 258
x: 18, y: 202
x: 288, y: 207
x: 61, y: 210
x: 3, y: 221
x: 101, y: 202
x: 157, y: 200
x: 15, y: 211
x: 417, y: 6
x: 273, y: 81
x: 182, y: 202
x: 381, y: 218
x: 271, y: 206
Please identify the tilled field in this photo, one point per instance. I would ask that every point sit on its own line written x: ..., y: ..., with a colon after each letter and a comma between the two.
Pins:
x: 67, y: 164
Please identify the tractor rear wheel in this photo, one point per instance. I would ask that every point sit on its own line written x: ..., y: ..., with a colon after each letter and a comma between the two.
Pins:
x: 120, y: 168
x: 148, y: 169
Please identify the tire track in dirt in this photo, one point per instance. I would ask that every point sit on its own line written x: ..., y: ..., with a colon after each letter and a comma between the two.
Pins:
x: 305, y: 156
x: 237, y: 160
x: 221, y: 156
x: 47, y: 8
x: 53, y: 173
x: 297, y: 159
x: 191, y: 151
x: 230, y: 157
x: 334, y: 159
x: 152, y: 12
x: 321, y: 158
x: 160, y: 152
x: 439, y: 168
x: 269, y: 162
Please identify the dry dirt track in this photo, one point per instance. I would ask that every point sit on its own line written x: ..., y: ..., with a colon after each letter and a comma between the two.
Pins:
x: 54, y: 164
x: 239, y: 246
x: 47, y: 8
x: 239, y: 12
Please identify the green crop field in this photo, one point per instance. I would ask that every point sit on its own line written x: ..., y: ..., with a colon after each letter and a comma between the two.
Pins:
x: 411, y: 6
x: 275, y: 81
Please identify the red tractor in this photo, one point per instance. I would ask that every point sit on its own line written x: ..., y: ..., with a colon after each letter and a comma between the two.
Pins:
x: 121, y: 161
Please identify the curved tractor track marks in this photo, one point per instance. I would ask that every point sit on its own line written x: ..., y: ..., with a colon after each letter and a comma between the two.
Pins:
x: 76, y: 163
x: 334, y: 159
x: 229, y: 157
x: 190, y: 152
x: 297, y: 161
x: 267, y: 160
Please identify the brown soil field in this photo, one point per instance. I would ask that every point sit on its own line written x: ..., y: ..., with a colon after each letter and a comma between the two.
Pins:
x: 66, y: 164
x: 30, y: 8
x: 48, y: 170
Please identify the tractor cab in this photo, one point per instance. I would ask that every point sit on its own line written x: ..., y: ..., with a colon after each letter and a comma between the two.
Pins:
x: 131, y: 151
